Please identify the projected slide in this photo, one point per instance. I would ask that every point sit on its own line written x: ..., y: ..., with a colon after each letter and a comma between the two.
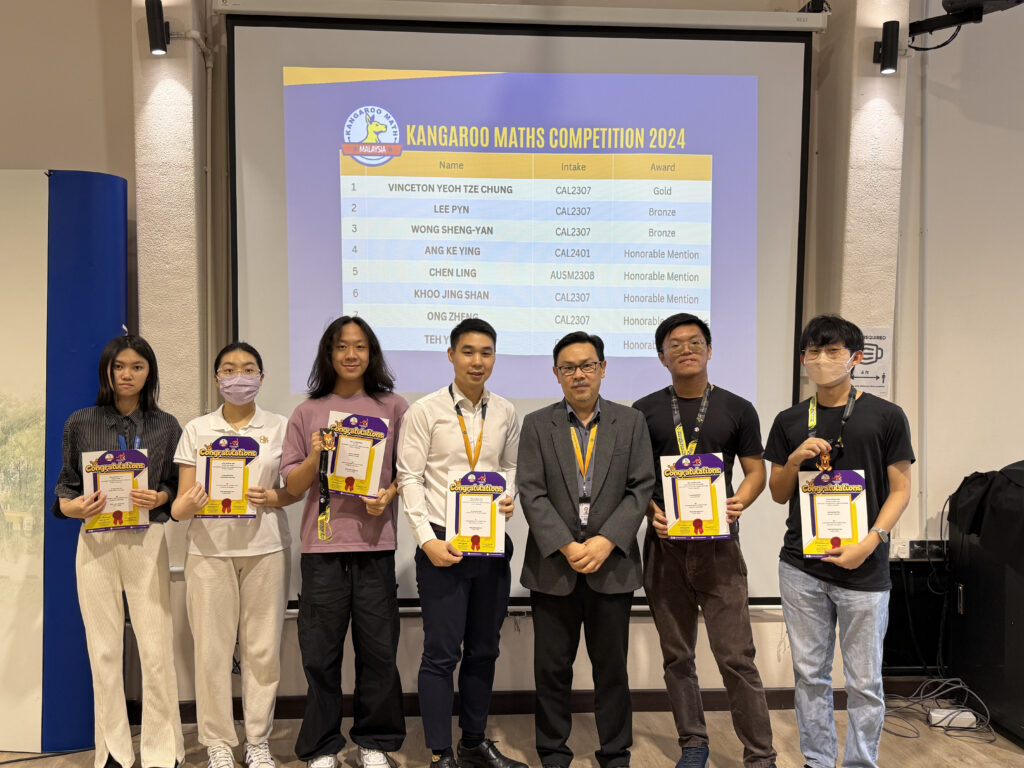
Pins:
x: 544, y: 203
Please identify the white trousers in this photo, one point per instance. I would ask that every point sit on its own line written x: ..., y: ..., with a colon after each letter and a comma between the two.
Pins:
x: 134, y: 562
x: 241, y: 597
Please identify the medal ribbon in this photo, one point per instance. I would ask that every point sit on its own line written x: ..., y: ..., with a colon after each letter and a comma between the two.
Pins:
x: 824, y: 460
x: 583, y: 465
x: 323, y: 520
x: 472, y: 456
x: 689, y: 448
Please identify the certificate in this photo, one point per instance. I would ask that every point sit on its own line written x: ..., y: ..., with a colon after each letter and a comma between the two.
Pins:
x: 474, y: 526
x: 833, y: 510
x: 223, y: 464
x: 116, y: 473
x: 694, y: 491
x: 357, y: 458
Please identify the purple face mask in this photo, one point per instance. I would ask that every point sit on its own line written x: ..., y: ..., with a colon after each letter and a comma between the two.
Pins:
x: 239, y: 389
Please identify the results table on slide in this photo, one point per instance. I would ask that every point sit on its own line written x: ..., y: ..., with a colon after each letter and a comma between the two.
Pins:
x: 537, y: 244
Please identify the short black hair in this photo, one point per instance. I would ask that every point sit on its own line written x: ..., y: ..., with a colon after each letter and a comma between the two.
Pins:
x: 579, y: 337
x: 472, y: 325
x: 376, y: 379
x: 669, y: 324
x: 832, y: 329
x: 235, y: 346
x: 150, y: 390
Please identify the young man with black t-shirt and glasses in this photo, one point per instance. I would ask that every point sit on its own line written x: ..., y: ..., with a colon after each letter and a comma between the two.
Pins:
x: 684, y: 578
x: 855, y: 433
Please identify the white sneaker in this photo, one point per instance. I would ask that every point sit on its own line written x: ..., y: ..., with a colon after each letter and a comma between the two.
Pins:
x: 373, y: 758
x: 220, y: 757
x: 258, y: 755
x: 323, y: 761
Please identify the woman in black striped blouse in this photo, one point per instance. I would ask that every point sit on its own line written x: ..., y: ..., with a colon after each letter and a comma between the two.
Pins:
x: 118, y: 557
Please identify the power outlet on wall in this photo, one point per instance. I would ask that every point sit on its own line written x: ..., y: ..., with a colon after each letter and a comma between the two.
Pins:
x: 900, y: 548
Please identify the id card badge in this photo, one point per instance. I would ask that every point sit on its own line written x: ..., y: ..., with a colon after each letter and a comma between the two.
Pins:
x: 584, y: 511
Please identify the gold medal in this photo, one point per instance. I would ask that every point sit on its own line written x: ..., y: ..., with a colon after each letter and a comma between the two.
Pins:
x: 824, y: 461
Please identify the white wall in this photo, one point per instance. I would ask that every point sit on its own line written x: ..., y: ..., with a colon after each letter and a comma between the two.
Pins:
x: 966, y: 204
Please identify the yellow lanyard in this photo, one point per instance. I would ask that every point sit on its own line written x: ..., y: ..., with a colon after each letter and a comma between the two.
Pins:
x: 583, y: 465
x: 689, y: 448
x: 471, y: 456
x: 824, y: 461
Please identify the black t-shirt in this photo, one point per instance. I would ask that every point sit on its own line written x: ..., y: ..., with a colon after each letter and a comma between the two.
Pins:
x: 876, y: 436
x: 731, y: 427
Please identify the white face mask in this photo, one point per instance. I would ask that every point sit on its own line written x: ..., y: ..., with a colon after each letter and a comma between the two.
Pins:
x: 825, y: 372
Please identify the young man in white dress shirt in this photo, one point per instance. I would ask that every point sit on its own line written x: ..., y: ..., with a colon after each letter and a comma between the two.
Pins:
x: 461, y: 427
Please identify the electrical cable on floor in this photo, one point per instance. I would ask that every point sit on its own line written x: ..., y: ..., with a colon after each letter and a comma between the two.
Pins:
x: 950, y: 695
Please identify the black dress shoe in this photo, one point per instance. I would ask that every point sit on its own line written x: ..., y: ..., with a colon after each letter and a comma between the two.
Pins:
x: 446, y: 761
x: 485, y: 755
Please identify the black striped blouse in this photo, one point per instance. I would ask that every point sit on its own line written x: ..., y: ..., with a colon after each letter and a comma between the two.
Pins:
x: 97, y: 429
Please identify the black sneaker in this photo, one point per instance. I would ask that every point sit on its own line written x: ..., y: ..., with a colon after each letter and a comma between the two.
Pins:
x: 485, y: 755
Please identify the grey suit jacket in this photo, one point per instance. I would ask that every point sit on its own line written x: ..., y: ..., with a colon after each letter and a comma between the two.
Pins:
x: 546, y: 475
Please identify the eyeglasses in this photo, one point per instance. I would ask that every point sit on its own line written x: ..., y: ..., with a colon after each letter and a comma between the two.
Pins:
x: 569, y: 370
x: 832, y: 353
x: 247, y: 371
x: 694, y: 345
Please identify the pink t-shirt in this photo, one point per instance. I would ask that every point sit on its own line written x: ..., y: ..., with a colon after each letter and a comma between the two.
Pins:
x: 353, y: 528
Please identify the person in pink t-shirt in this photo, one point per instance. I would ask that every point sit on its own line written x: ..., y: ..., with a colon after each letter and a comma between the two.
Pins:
x: 348, y: 566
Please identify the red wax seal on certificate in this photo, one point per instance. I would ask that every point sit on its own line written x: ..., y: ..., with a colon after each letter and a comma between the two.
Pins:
x: 836, y: 542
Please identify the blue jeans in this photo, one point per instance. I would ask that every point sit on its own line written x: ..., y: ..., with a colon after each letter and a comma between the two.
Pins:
x: 811, y: 608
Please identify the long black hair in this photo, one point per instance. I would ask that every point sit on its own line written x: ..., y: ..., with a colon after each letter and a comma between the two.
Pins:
x: 150, y: 390
x: 322, y: 378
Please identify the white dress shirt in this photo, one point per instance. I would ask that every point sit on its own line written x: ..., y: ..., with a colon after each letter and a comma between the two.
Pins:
x: 430, y: 447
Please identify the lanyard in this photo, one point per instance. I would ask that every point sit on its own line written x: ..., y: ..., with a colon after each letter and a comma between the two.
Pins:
x: 688, y: 448
x: 584, y: 465
x: 323, y: 519
x: 824, y: 460
x: 472, y: 456
x: 123, y: 444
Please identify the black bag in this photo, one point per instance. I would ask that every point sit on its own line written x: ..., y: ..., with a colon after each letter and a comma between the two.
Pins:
x: 990, y: 505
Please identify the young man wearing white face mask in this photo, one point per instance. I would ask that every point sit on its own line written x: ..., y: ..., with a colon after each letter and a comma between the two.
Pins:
x: 838, y: 432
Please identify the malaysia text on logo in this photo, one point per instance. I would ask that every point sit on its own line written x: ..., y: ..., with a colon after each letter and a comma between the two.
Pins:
x: 371, y: 136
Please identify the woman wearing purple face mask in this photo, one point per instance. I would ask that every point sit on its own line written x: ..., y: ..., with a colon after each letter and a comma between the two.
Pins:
x: 236, y: 571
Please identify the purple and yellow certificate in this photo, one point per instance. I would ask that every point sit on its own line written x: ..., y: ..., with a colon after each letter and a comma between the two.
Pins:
x: 223, y: 468
x: 694, y: 490
x: 474, y: 525
x: 833, y: 510
x: 117, y: 474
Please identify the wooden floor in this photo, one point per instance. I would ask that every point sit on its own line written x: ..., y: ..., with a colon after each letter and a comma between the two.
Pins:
x: 654, y: 745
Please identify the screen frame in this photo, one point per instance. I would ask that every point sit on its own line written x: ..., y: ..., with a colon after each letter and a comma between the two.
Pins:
x: 552, y: 29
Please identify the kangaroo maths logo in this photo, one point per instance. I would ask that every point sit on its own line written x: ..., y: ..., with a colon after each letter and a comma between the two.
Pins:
x: 371, y: 136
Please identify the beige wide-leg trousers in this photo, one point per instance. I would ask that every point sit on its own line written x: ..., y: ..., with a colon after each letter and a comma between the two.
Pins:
x: 135, y: 562
x: 241, y: 597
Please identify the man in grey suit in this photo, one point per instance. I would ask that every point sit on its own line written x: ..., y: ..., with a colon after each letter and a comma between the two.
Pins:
x: 585, y: 476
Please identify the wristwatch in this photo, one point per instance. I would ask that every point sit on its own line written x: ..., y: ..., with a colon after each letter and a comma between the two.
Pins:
x: 882, y: 534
